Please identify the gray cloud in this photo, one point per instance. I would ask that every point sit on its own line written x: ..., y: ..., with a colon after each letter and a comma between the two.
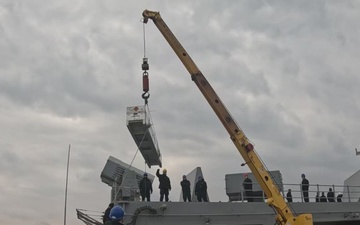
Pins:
x: 287, y: 71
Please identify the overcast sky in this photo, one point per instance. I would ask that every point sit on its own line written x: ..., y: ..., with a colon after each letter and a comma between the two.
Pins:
x: 286, y: 70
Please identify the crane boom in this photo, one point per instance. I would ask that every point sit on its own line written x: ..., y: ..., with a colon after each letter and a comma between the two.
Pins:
x: 284, y: 214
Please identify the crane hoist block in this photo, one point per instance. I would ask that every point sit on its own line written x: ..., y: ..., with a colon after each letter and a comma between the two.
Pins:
x: 138, y: 121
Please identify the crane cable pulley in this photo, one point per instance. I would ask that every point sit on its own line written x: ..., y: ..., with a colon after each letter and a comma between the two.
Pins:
x: 145, y: 68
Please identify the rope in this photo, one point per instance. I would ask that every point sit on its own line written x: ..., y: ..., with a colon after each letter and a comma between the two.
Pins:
x: 121, y: 185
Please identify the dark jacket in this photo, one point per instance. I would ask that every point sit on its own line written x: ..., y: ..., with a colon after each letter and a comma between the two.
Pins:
x: 200, y: 187
x: 164, y: 181
x: 106, y: 215
x: 338, y: 197
x: 185, y: 185
x: 305, y: 185
x: 247, y: 184
x: 289, y: 197
x: 331, y: 196
x: 323, y: 198
x: 145, y: 185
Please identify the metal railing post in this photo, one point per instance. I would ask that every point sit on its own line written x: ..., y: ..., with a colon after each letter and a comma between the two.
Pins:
x: 348, y: 191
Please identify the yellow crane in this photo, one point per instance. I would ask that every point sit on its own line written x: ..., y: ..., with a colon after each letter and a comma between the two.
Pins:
x: 284, y: 215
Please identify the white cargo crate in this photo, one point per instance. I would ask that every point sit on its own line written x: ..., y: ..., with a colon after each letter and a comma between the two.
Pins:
x: 138, y: 121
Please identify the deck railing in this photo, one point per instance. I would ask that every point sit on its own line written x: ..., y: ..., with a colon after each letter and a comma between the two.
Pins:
x: 343, y: 193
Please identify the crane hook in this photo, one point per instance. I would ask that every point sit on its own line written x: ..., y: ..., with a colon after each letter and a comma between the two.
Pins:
x: 145, y: 96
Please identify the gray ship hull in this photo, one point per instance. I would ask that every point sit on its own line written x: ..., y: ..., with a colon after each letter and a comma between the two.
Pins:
x: 237, y: 213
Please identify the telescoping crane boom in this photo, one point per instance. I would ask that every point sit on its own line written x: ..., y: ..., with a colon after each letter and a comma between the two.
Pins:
x: 284, y: 214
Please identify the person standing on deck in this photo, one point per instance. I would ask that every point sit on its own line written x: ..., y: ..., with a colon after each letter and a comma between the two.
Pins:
x: 289, y: 196
x: 145, y: 187
x: 305, y: 188
x: 164, y: 185
x: 323, y: 197
x: 331, y: 195
x: 185, y: 186
x: 201, y: 190
x: 247, y: 184
x: 338, y: 197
